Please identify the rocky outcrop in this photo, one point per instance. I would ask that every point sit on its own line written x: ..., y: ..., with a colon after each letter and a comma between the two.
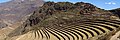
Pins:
x: 2, y: 25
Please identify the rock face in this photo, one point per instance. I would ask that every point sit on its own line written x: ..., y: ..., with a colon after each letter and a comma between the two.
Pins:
x: 15, y: 10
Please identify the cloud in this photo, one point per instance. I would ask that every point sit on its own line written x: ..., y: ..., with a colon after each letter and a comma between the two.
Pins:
x: 110, y: 3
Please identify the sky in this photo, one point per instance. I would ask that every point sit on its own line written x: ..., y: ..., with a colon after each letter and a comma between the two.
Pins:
x: 104, y: 4
x: 2, y: 1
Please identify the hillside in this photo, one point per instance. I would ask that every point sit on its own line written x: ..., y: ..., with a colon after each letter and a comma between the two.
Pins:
x: 116, y: 11
x: 14, y: 11
x: 63, y: 20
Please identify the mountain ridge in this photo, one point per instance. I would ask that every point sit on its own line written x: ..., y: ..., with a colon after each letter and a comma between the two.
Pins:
x: 14, y: 10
